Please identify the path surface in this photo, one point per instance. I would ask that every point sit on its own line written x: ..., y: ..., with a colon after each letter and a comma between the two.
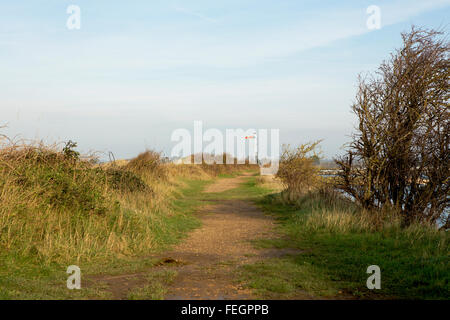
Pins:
x: 213, y: 252
x: 208, y: 260
x: 225, y: 184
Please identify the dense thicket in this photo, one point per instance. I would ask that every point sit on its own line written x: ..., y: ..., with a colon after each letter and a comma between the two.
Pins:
x: 399, y: 157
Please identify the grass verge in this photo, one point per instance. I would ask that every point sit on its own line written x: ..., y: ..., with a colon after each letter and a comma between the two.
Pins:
x: 156, y: 287
x: 122, y: 239
x: 336, y: 244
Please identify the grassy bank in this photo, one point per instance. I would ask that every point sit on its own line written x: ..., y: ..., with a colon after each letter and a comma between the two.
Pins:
x: 336, y: 242
x: 29, y: 276
x: 57, y: 209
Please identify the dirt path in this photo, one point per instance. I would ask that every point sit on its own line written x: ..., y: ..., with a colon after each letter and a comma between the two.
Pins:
x: 207, y: 261
x: 226, y: 184
x: 214, y: 252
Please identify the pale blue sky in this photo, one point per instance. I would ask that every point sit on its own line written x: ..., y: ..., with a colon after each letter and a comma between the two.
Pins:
x: 137, y: 70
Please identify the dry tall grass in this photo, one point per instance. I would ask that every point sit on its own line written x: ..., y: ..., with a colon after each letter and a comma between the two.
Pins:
x: 57, y: 207
x: 221, y: 164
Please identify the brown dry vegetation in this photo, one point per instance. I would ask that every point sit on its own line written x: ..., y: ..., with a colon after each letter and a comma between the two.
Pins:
x: 221, y: 164
x: 299, y: 171
x: 58, y: 207
x: 399, y: 157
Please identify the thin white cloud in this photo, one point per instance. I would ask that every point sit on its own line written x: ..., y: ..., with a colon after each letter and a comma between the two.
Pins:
x: 182, y: 46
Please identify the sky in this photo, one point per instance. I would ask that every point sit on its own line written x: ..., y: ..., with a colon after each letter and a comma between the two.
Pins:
x: 137, y: 70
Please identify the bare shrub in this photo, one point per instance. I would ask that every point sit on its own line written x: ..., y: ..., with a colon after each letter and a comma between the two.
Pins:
x: 298, y: 170
x: 399, y: 158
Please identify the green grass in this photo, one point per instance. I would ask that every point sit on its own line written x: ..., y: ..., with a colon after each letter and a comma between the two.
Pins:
x: 336, y: 247
x: 156, y: 287
x: 286, y: 278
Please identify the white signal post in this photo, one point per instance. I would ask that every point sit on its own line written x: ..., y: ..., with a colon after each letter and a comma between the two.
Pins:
x: 255, y: 137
